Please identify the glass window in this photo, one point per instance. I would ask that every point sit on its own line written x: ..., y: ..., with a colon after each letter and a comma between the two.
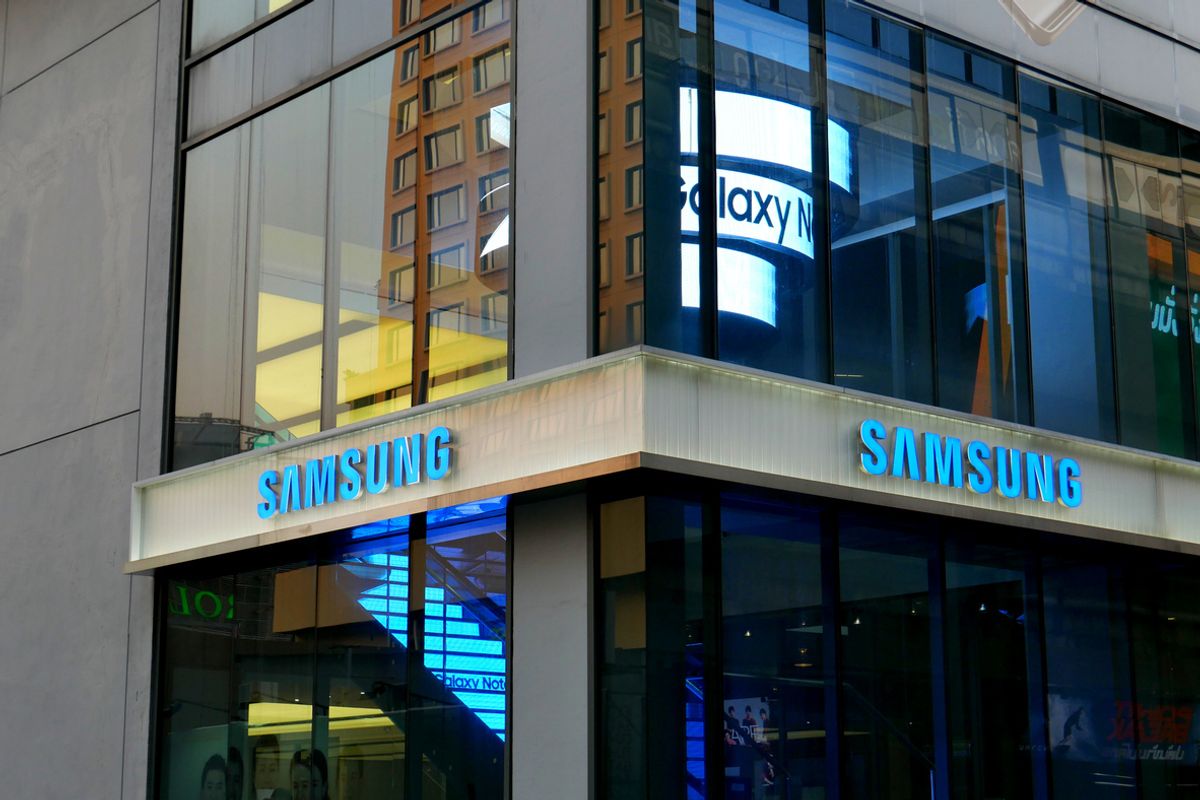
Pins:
x: 410, y: 58
x: 493, y: 312
x: 406, y: 115
x: 603, y: 78
x: 651, y: 661
x: 770, y: 295
x: 1149, y: 271
x: 633, y: 6
x: 410, y: 12
x: 404, y: 170
x: 1087, y: 663
x: 273, y: 370
x: 633, y: 59
x: 443, y: 148
x: 604, y: 264
x: 603, y: 193
x: 236, y: 675
x: 447, y: 266
x: 773, y: 656
x: 404, y: 226
x: 489, y: 14
x: 1158, y: 725
x: 634, y: 254
x: 977, y: 241
x: 881, y: 315
x: 442, y: 90
x: 633, y: 123
x: 602, y: 135
x: 887, y: 680
x: 445, y: 325
x: 251, y: 320
x: 633, y: 188
x: 1070, y: 326
x: 493, y: 191
x: 492, y: 69
x: 443, y: 36
x: 991, y: 627
x: 323, y: 677
x: 213, y: 20
x: 447, y: 207
x: 1189, y: 145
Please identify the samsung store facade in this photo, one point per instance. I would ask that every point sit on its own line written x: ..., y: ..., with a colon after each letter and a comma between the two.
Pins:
x: 636, y: 399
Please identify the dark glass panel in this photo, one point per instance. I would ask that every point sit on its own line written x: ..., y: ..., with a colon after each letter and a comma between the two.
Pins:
x: 773, y: 653
x: 236, y: 694
x: 989, y: 642
x: 887, y: 676
x: 881, y: 297
x: 1086, y: 648
x: 652, y: 722
x: 1149, y: 279
x: 1160, y: 728
x: 978, y: 247
x: 1069, y: 324
x: 771, y: 298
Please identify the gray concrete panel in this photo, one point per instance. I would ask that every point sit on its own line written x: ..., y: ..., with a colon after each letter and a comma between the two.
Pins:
x: 139, y: 665
x: 1155, y: 13
x: 551, y: 653
x: 1138, y: 66
x: 65, y: 507
x: 1187, y: 73
x: 158, y: 245
x: 1187, y: 21
x: 985, y: 22
x: 43, y: 32
x: 74, y: 192
x: 1073, y: 55
x: 552, y: 195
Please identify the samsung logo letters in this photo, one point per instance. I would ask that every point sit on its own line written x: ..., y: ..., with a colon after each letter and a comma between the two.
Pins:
x: 403, y: 461
x: 977, y: 466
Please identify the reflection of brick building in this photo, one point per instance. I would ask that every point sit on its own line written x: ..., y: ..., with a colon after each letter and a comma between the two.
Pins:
x: 443, y: 293
x: 619, y: 133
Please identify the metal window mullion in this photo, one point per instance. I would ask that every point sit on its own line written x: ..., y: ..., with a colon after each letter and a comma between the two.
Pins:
x: 706, y: 159
x: 713, y: 619
x: 332, y: 287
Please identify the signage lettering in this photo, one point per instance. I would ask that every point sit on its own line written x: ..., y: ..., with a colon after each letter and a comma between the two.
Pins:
x: 946, y: 461
x: 404, y: 461
x: 752, y: 208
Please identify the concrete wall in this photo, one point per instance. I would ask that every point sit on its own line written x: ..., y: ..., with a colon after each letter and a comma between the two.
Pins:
x: 552, y: 198
x: 1153, y: 64
x: 550, y: 641
x: 86, y: 134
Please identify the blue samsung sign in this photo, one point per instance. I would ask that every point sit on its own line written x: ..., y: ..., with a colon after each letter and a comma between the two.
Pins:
x: 401, y: 462
x: 977, y: 466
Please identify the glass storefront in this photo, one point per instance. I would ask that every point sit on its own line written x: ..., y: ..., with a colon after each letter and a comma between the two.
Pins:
x: 345, y: 253
x: 798, y: 648
x: 372, y: 664
x: 822, y: 190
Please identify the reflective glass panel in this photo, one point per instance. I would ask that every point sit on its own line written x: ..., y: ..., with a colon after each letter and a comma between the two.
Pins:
x: 1149, y: 280
x: 978, y: 248
x: 990, y: 638
x: 617, y: 223
x: 878, y: 205
x: 213, y: 20
x: 1086, y: 646
x: 774, y: 655
x: 1069, y: 324
x: 236, y: 693
x: 887, y: 677
x: 770, y: 285
x: 251, y: 285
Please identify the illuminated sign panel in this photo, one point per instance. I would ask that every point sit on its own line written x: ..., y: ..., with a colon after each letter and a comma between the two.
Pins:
x: 977, y: 466
x: 403, y: 461
x: 752, y: 208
